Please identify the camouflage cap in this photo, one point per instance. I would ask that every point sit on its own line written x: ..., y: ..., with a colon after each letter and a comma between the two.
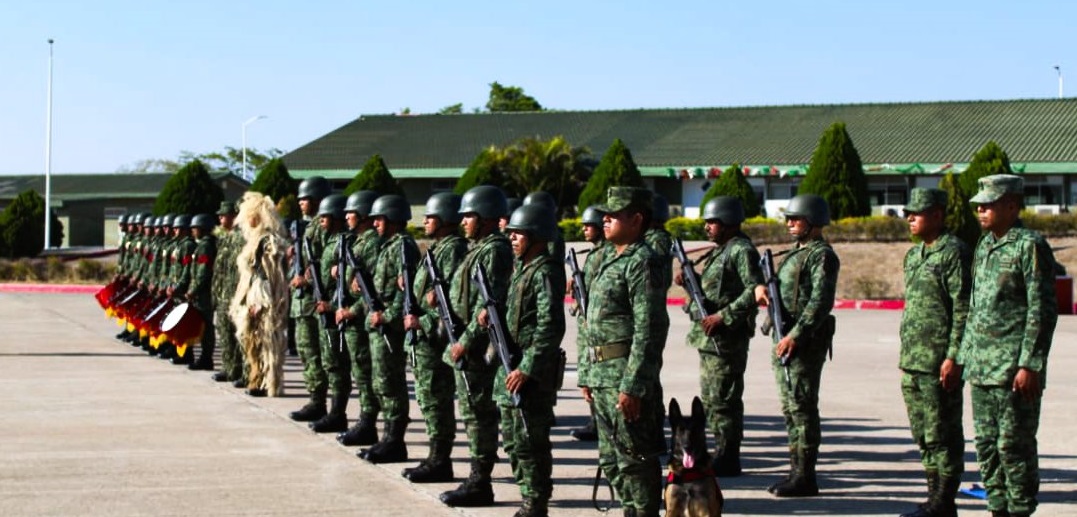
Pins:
x: 993, y: 187
x: 227, y: 208
x: 621, y: 198
x: 920, y: 199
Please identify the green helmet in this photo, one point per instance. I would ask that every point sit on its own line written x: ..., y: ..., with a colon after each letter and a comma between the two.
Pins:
x: 392, y: 207
x: 444, y: 206
x: 152, y: 222
x: 511, y: 204
x: 487, y: 201
x: 661, y: 209
x: 541, y: 197
x: 332, y: 205
x: 122, y: 219
x: 314, y: 187
x: 144, y: 218
x: 592, y: 215
x: 181, y: 221
x: 536, y: 219
x: 360, y: 202
x: 726, y: 209
x: 165, y: 220
x: 811, y: 207
x: 204, y: 221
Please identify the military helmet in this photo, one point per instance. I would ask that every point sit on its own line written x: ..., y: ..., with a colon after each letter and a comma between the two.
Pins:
x: 592, y: 215
x: 541, y: 197
x: 144, y: 218
x: 726, y: 209
x: 181, y: 221
x: 511, y: 204
x: 204, y: 221
x: 122, y: 219
x: 332, y: 205
x: 811, y: 207
x: 165, y: 220
x: 487, y: 201
x: 661, y: 209
x: 537, y: 220
x: 360, y: 202
x: 151, y: 221
x: 445, y: 206
x: 314, y: 187
x: 392, y: 207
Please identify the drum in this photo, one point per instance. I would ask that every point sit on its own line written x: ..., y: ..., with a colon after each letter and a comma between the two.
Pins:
x: 129, y: 305
x: 183, y: 325
x: 150, y: 325
x: 106, y: 293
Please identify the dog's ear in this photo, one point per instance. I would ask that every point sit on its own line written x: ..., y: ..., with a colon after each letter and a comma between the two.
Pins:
x: 697, y: 409
x: 674, y: 411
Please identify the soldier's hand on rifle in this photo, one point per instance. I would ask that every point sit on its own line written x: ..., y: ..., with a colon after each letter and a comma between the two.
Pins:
x: 786, y: 347
x: 333, y: 272
x: 411, y: 322
x: 484, y: 321
x: 629, y: 406
x: 431, y: 299
x: 712, y: 323
x: 1026, y: 384
x: 298, y: 281
x: 457, y: 351
x: 321, y: 307
x: 586, y: 392
x: 355, y: 286
x: 761, y: 296
x: 289, y: 253
x: 678, y: 278
x: 568, y: 287
x: 344, y: 315
x: 170, y: 291
x: 950, y: 375
x: 515, y: 380
x: 400, y: 282
x: 376, y: 319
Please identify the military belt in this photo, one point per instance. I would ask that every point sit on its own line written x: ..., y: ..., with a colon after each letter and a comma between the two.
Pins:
x: 598, y: 354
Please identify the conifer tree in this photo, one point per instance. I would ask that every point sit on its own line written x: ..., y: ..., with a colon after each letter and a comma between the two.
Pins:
x: 22, y: 226
x: 733, y: 183
x: 273, y: 180
x: 485, y: 169
x: 189, y: 191
x: 374, y: 176
x: 990, y: 159
x: 837, y: 175
x: 617, y: 168
x: 960, y: 220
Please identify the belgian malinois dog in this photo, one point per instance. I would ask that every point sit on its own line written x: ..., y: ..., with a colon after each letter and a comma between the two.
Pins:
x: 691, y: 487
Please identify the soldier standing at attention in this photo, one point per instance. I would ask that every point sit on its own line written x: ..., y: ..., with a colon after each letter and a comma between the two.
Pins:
x: 728, y: 278
x: 591, y: 221
x: 311, y: 192
x: 434, y: 380
x: 808, y: 279
x: 179, y: 276
x: 391, y: 214
x: 1012, y: 317
x: 557, y: 244
x: 511, y: 204
x: 200, y: 293
x: 334, y: 354
x: 225, y: 283
x: 481, y: 208
x: 937, y: 283
x: 660, y: 240
x: 535, y: 323
x: 627, y: 328
x: 365, y: 246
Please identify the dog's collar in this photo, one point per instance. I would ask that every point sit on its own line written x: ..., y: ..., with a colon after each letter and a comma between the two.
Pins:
x: 688, y: 476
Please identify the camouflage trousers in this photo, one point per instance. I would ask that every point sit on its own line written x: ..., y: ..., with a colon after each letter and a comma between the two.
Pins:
x: 310, y: 352
x: 529, y: 449
x: 935, y: 422
x: 358, y: 341
x: 478, y: 410
x: 628, y: 451
x: 434, y: 390
x: 1006, y: 448
x: 389, y: 369
x: 231, y: 355
x: 800, y: 402
x: 721, y: 380
x: 208, y: 342
x: 335, y: 361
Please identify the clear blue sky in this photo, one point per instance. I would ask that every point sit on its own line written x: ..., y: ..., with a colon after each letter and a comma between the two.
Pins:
x: 148, y: 79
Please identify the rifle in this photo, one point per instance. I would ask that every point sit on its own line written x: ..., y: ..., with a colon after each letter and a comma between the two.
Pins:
x: 692, y: 285
x: 316, y: 285
x: 366, y: 288
x: 411, y: 305
x: 579, y: 293
x: 340, y: 287
x: 774, y: 308
x: 499, y: 337
x: 451, y: 326
x: 297, y: 228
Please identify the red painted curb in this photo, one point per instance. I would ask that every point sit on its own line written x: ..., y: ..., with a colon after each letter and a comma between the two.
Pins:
x: 49, y: 288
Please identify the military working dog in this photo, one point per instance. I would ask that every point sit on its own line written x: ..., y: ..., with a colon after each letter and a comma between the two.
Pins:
x: 691, y: 487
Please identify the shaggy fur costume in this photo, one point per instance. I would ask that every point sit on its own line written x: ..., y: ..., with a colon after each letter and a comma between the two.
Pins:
x: 263, y: 290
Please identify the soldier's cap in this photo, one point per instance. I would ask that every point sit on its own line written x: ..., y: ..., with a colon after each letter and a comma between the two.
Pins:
x: 993, y: 187
x: 227, y: 208
x: 621, y: 198
x: 921, y: 199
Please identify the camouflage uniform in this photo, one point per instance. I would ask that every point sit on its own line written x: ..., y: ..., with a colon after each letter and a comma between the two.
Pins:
x: 225, y: 283
x: 334, y: 355
x: 389, y: 367
x: 306, y: 324
x: 200, y: 273
x: 661, y: 242
x: 535, y: 321
x: 1012, y: 317
x: 728, y: 278
x: 365, y: 249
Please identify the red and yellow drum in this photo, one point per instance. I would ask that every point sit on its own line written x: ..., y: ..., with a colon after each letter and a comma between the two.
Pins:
x: 183, y: 327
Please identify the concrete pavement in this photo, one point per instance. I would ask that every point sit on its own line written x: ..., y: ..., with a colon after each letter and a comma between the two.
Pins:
x: 92, y: 426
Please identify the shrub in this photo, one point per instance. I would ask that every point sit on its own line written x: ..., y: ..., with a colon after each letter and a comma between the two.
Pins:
x: 88, y: 271
x: 617, y: 168
x: 571, y: 229
x: 688, y: 229
x: 374, y: 176
x: 189, y: 191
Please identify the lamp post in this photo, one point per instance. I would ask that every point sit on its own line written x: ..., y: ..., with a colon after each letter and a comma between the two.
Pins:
x: 48, y: 154
x: 245, y: 124
x: 1059, y: 70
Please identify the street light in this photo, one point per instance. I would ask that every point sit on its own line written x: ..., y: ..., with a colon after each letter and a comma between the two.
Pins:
x: 48, y: 154
x: 1059, y: 70
x: 245, y: 124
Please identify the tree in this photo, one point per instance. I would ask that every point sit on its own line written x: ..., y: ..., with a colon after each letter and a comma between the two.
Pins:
x: 990, y: 159
x: 274, y: 181
x: 485, y: 169
x: 189, y: 191
x: 960, y: 220
x: 616, y: 169
x: 374, y: 176
x: 229, y: 160
x: 22, y: 226
x: 733, y: 183
x: 510, y: 98
x: 837, y: 175
x: 452, y: 109
x: 553, y: 165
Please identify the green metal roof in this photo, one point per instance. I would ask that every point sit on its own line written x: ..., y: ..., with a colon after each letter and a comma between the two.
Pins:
x: 76, y: 187
x: 1041, y: 134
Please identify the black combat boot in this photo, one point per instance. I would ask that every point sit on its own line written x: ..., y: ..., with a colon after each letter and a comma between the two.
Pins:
x: 312, y: 411
x: 945, y: 501
x: 220, y: 377
x: 364, y: 432
x: 727, y: 462
x: 336, y: 421
x: 802, y: 483
x: 794, y: 462
x: 630, y: 511
x: 166, y: 351
x: 532, y: 508
x: 240, y: 383
x: 186, y: 359
x: 391, y: 448
x: 932, y: 495
x: 436, y: 468
x: 475, y: 490
x: 204, y: 362
x: 587, y: 433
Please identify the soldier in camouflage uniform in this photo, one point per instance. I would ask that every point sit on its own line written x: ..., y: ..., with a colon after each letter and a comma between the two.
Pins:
x: 157, y: 268
x: 334, y: 353
x: 200, y: 292
x: 434, y: 380
x: 626, y: 332
x: 535, y: 322
x: 556, y: 246
x: 808, y: 279
x: 398, y: 250
x: 365, y: 244
x: 660, y: 241
x: 481, y: 208
x: 511, y: 204
x: 591, y: 223
x: 728, y: 278
x: 1012, y: 317
x: 225, y: 283
x: 311, y: 192
x: 937, y: 284
x: 180, y: 273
